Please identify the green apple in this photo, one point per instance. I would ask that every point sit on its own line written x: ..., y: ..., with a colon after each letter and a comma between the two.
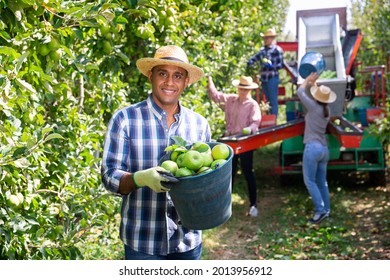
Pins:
x: 201, y: 147
x: 207, y: 158
x: 174, y: 155
x: 56, y: 55
x: 170, y: 165
x: 13, y: 201
x: 176, y: 152
x: 107, y: 47
x: 192, y: 160
x: 44, y: 50
x: 246, y: 130
x: 179, y: 160
x: 104, y: 29
x: 220, y: 151
x: 183, y: 172
x: 336, y: 122
x: 53, y: 45
x: 218, y: 163
x: 204, y: 169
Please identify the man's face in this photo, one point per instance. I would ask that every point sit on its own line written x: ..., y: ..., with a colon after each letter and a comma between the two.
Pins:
x: 268, y: 40
x: 243, y: 91
x: 168, y: 83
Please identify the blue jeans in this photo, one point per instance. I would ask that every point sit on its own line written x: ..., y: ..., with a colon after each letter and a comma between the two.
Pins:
x: 315, y: 160
x: 193, y: 254
x: 270, y: 89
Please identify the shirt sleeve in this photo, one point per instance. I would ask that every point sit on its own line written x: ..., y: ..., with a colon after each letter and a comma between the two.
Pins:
x: 255, y: 117
x: 278, y: 58
x: 257, y: 57
x: 306, y: 100
x: 113, y: 167
x: 218, y: 97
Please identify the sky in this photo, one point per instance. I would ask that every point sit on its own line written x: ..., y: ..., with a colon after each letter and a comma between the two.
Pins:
x: 309, y: 5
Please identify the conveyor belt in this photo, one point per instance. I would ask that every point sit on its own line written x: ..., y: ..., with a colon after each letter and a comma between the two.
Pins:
x: 264, y: 136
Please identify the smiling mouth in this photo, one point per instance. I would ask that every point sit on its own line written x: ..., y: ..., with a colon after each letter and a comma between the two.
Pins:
x: 169, y: 91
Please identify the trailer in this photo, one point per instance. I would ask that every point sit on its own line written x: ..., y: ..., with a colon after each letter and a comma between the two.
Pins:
x: 352, y: 149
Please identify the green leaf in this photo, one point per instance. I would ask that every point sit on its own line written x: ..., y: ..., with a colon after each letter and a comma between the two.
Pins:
x: 9, y: 52
x: 133, y: 3
x: 46, y: 129
x: 179, y: 140
x: 54, y: 136
x: 5, y: 35
x: 19, y: 151
x: 124, y: 57
x: 26, y: 85
x: 20, y: 61
x: 121, y: 19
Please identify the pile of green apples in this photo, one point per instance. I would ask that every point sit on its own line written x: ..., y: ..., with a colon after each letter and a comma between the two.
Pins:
x: 199, y: 158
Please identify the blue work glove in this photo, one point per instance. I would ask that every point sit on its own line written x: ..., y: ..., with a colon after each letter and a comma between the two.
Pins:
x: 156, y: 178
x: 267, y: 63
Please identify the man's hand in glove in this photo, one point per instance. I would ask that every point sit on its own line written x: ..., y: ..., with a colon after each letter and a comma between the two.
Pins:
x: 156, y: 178
x: 267, y: 63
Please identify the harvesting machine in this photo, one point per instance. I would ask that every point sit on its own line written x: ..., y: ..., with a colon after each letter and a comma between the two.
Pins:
x: 352, y: 149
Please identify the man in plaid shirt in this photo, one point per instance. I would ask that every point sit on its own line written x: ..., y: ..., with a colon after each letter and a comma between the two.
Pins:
x: 270, y: 58
x: 135, y: 141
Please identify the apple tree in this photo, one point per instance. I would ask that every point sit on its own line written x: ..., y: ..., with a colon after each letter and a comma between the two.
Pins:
x: 65, y: 67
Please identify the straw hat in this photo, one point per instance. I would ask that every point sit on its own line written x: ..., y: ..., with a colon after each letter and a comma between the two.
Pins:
x: 270, y: 33
x: 245, y: 82
x: 170, y: 55
x: 323, y: 94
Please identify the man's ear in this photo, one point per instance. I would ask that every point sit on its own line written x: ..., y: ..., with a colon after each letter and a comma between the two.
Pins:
x: 150, y: 75
x: 187, y: 80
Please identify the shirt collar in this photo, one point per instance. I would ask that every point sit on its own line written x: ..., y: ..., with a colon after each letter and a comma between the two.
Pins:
x: 157, y: 111
x: 272, y: 46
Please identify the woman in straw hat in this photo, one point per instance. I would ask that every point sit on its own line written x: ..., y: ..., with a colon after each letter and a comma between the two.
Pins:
x: 242, y: 113
x: 270, y: 59
x: 316, y: 154
x: 136, y: 138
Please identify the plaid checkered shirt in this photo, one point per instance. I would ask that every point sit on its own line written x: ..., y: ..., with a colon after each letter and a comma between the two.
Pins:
x: 273, y: 53
x: 135, y: 140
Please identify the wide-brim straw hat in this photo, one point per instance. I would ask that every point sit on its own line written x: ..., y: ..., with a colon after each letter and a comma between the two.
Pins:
x: 323, y: 94
x: 170, y: 55
x: 245, y: 82
x: 270, y: 33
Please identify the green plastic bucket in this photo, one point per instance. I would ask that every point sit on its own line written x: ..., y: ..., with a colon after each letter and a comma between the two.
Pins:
x: 204, y: 201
